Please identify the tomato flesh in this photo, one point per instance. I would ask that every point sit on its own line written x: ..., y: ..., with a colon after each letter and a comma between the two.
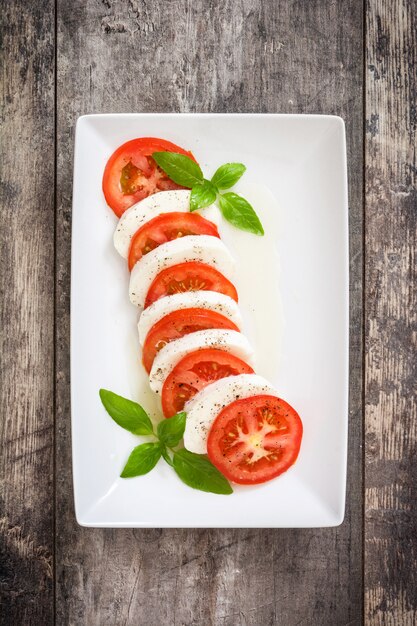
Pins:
x: 253, y: 440
x: 176, y: 325
x: 194, y: 372
x: 190, y: 276
x: 166, y: 227
x: 131, y: 173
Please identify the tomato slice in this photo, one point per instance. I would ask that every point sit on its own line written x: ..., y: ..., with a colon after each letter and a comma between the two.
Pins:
x: 166, y: 227
x: 195, y: 371
x: 131, y: 174
x: 255, y: 439
x: 191, y: 276
x: 180, y: 323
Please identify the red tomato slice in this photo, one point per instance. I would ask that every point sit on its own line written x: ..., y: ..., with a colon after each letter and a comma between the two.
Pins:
x: 195, y: 371
x: 189, y: 277
x: 255, y: 439
x: 166, y: 227
x: 177, y: 324
x: 131, y: 174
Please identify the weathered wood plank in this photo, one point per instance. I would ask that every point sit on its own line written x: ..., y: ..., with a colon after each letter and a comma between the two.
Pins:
x: 27, y: 310
x: 391, y: 227
x: 208, y: 56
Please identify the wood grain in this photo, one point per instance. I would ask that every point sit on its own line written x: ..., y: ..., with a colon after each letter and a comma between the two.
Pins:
x: 27, y: 313
x: 134, y: 55
x: 207, y: 56
x: 391, y: 324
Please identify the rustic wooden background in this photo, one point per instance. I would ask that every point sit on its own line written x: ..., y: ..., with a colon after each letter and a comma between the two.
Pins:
x: 65, y: 58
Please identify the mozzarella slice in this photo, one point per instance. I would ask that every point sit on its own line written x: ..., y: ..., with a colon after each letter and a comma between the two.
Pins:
x: 211, y: 300
x: 201, y: 248
x: 205, y: 406
x: 167, y: 358
x: 148, y: 208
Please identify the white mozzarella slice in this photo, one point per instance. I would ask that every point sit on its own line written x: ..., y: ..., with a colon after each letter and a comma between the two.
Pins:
x: 211, y: 300
x: 205, y: 406
x: 148, y: 208
x: 167, y: 358
x: 201, y: 248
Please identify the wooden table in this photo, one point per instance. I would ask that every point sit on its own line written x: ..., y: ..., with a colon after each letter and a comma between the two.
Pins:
x: 62, y: 59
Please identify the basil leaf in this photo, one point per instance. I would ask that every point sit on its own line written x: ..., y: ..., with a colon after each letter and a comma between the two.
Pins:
x: 179, y: 167
x: 127, y: 414
x: 196, y: 471
x: 239, y: 212
x: 227, y: 175
x: 166, y: 456
x: 142, y: 460
x: 171, y: 430
x: 202, y: 194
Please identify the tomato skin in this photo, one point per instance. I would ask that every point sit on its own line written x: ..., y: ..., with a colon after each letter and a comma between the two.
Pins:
x: 190, y: 276
x: 194, y: 372
x: 137, y: 152
x: 176, y: 325
x: 263, y: 426
x: 166, y: 227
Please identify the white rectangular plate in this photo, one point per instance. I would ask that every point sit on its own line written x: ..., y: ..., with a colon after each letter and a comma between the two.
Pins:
x: 293, y: 293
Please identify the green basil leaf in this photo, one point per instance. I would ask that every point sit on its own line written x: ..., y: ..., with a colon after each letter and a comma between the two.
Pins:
x: 227, y: 175
x: 166, y: 456
x: 127, y: 414
x: 196, y: 471
x: 179, y: 167
x: 202, y: 194
x: 142, y: 460
x: 239, y: 212
x: 171, y: 430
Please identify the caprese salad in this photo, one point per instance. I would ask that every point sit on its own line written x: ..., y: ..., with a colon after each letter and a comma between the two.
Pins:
x: 222, y: 422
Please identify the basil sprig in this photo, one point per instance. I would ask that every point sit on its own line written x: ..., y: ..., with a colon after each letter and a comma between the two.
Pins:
x: 171, y: 431
x: 202, y: 194
x: 239, y: 212
x: 195, y: 470
x: 186, y: 172
x: 179, y: 167
x: 127, y: 414
x: 227, y: 175
x: 142, y: 460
